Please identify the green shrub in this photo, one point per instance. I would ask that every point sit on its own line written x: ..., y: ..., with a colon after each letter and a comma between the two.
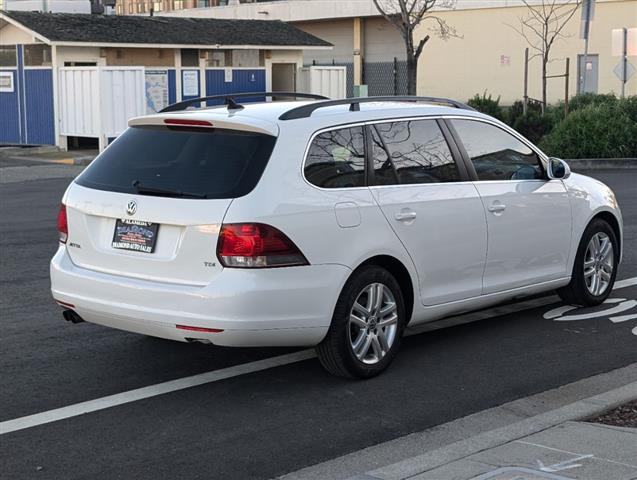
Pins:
x: 487, y: 105
x: 602, y: 129
x: 533, y: 125
x: 516, y: 110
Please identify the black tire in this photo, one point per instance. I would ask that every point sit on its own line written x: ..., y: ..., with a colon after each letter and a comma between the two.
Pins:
x: 335, y: 352
x: 577, y: 292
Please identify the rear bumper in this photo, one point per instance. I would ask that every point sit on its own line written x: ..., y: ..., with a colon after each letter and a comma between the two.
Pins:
x: 270, y: 307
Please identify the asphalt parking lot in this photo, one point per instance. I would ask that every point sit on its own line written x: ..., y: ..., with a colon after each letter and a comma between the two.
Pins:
x: 272, y: 421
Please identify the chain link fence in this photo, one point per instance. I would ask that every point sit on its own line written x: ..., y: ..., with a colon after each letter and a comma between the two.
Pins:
x: 385, y: 78
x: 382, y: 78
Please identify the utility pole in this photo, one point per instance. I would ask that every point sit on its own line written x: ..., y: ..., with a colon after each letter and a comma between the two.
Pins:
x: 588, y: 12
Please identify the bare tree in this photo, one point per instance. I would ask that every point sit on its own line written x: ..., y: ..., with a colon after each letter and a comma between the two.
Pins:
x: 406, y: 16
x: 542, y: 25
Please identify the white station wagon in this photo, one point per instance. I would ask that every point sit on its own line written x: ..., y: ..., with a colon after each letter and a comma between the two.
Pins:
x: 327, y: 223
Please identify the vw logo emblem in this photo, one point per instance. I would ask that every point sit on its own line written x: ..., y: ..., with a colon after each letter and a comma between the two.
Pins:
x: 131, y: 208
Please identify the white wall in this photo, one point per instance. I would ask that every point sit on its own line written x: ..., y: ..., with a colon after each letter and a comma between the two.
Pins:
x: 79, y: 54
x: 57, y: 6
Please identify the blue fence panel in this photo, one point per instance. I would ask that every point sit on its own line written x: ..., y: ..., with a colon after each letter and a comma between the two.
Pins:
x: 38, y: 90
x: 242, y: 81
x: 172, y: 87
x: 10, y: 113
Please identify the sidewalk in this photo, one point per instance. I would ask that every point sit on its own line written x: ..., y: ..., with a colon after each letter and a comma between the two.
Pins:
x: 544, y: 436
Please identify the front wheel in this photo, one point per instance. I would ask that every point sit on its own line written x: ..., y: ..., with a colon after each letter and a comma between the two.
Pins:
x: 595, y: 266
x: 367, y: 325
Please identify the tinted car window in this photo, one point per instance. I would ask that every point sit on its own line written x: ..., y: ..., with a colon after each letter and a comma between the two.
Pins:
x: 336, y: 159
x: 496, y: 154
x: 212, y: 163
x: 411, y: 152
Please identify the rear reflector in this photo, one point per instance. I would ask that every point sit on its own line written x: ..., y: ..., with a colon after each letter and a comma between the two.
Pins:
x: 199, y: 329
x: 187, y: 122
x: 62, y: 224
x: 255, y: 245
x: 64, y: 304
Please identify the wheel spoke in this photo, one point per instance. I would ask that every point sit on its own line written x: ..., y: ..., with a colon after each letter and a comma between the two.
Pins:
x: 378, y: 298
x: 390, y: 307
x: 359, y: 322
x: 596, y: 244
x: 382, y: 337
x: 595, y: 284
x: 378, y: 351
x: 390, y: 320
x: 371, y: 298
x: 588, y: 272
x: 605, y: 273
x: 606, y: 248
x: 589, y: 263
x: 363, y: 348
x: 360, y: 309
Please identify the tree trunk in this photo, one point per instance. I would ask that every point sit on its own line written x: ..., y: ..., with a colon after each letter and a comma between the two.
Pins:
x: 412, y: 74
x: 544, y: 79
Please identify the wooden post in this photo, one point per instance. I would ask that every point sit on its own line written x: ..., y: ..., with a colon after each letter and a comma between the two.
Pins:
x: 566, y: 77
x: 526, y: 80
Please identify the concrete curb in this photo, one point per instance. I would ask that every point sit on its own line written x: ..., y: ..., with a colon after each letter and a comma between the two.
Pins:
x: 480, y: 431
x: 24, y: 150
x: 575, y: 411
x: 602, y: 163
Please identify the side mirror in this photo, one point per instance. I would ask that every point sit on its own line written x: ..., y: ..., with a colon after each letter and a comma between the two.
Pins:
x: 557, y: 169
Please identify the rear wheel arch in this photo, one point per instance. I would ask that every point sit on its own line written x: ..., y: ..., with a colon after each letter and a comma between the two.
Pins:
x: 400, y: 273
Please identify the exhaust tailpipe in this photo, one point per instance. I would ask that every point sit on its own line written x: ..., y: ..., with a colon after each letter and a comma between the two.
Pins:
x: 71, y: 316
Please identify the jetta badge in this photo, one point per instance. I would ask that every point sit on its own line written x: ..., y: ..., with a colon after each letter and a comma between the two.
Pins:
x: 131, y: 208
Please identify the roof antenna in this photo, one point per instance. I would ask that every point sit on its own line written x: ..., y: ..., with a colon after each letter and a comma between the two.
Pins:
x: 232, y: 105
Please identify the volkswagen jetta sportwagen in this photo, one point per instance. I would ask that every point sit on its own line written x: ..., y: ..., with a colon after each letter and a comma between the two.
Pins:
x: 327, y: 223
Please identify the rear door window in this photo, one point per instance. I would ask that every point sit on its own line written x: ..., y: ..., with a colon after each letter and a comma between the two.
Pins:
x: 411, y: 152
x: 200, y: 163
x: 336, y: 159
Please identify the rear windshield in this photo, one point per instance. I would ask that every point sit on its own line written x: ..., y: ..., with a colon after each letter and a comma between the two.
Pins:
x: 200, y: 163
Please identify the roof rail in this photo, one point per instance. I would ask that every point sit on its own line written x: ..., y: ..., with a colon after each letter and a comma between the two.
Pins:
x: 228, y: 99
x: 305, y: 111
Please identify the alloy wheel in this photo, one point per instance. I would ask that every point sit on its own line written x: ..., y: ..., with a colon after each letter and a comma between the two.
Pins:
x: 373, y: 323
x: 598, y: 263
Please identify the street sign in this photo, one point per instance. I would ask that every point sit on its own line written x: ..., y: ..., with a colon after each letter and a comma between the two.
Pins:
x: 619, y: 71
x: 618, y: 42
x: 588, y: 14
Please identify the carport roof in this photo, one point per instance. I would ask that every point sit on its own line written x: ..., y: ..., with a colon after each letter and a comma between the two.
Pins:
x: 73, y: 28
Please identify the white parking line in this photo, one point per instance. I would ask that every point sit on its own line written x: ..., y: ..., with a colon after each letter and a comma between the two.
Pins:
x: 237, y: 370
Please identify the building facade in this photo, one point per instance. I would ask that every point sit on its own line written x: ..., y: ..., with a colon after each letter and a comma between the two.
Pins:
x: 488, y: 55
x: 69, y: 76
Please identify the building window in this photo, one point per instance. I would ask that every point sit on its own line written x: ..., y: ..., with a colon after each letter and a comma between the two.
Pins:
x: 178, y: 5
x: 119, y: 9
x: 158, y: 6
x: 203, y: 3
x: 248, y: 58
x: 218, y: 58
x: 8, y: 56
x: 189, y: 57
x: 131, y: 9
x: 38, y: 55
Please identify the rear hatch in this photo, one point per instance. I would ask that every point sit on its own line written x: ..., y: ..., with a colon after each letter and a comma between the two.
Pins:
x: 151, y: 205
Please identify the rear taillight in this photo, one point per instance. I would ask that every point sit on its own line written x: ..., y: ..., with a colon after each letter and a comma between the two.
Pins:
x: 255, y: 245
x: 63, y: 227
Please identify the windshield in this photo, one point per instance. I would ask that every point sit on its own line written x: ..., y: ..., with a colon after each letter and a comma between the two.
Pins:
x: 201, y: 163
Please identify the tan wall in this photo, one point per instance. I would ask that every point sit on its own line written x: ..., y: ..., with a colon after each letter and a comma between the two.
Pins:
x: 460, y: 68
x: 11, y: 35
x: 147, y: 57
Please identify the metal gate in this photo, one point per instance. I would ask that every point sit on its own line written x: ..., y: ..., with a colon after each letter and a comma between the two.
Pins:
x: 98, y: 101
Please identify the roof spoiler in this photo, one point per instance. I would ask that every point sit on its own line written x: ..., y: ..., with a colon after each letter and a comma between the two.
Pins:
x: 305, y: 111
x: 229, y: 99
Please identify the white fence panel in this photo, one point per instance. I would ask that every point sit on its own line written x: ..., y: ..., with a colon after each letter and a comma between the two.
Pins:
x: 99, y: 101
x: 321, y: 80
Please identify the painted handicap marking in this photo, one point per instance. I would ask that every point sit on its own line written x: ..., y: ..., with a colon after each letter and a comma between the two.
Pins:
x: 615, y: 307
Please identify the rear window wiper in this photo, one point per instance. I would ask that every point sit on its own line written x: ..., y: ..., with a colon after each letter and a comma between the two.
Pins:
x: 144, y: 189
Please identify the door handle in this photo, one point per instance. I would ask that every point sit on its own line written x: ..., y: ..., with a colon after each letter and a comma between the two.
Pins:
x: 405, y: 216
x: 497, y: 207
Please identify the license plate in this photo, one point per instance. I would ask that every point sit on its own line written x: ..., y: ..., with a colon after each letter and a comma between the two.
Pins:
x: 135, y: 235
